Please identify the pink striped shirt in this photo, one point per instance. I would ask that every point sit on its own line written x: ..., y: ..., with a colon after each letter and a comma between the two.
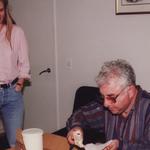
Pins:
x: 13, y: 62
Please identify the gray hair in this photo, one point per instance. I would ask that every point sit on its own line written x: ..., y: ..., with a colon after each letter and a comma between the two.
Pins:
x: 120, y: 69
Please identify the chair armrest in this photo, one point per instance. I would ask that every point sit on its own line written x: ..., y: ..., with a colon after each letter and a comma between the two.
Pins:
x: 61, y: 132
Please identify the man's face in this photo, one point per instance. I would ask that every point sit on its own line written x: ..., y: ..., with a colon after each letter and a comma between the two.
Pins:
x: 2, y: 12
x: 116, y: 96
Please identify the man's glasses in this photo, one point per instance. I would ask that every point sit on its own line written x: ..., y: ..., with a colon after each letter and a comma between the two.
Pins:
x: 112, y: 98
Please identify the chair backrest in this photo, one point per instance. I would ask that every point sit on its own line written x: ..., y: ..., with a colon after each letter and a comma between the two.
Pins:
x: 84, y: 95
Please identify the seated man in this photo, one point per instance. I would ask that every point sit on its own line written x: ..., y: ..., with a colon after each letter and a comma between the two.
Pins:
x: 125, y: 115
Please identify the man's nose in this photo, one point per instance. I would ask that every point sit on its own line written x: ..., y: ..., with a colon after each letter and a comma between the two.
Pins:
x: 106, y: 103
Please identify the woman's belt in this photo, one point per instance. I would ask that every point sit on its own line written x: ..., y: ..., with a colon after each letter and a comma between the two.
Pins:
x: 8, y: 85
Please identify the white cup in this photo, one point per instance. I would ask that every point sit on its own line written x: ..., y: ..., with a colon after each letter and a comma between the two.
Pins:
x: 33, y: 139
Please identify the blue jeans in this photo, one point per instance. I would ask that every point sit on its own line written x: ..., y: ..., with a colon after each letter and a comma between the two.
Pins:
x: 12, y: 108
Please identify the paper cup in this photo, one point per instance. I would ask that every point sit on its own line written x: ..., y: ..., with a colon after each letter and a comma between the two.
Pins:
x: 33, y: 139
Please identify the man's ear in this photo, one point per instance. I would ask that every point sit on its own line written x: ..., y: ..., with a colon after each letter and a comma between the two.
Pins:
x: 131, y: 91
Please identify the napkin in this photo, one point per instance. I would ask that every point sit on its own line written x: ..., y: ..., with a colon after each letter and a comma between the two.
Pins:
x: 98, y: 146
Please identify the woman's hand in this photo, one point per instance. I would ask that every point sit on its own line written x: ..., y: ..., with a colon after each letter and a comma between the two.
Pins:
x: 114, y: 145
x: 70, y: 134
x: 19, y: 85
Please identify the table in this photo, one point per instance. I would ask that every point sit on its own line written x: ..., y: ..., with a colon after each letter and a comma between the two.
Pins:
x: 50, y: 142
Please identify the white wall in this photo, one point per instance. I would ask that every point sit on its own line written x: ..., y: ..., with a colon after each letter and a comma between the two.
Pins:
x: 89, y: 33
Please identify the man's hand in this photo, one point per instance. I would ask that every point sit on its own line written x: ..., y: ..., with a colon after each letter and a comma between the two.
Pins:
x: 114, y: 145
x: 70, y: 134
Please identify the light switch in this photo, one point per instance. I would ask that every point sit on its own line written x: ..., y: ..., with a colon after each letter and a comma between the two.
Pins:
x: 69, y: 63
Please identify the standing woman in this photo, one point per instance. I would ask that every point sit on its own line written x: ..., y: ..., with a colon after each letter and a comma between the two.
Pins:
x: 14, y: 70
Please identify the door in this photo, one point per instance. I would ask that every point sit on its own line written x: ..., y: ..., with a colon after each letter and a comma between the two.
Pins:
x: 36, y: 18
